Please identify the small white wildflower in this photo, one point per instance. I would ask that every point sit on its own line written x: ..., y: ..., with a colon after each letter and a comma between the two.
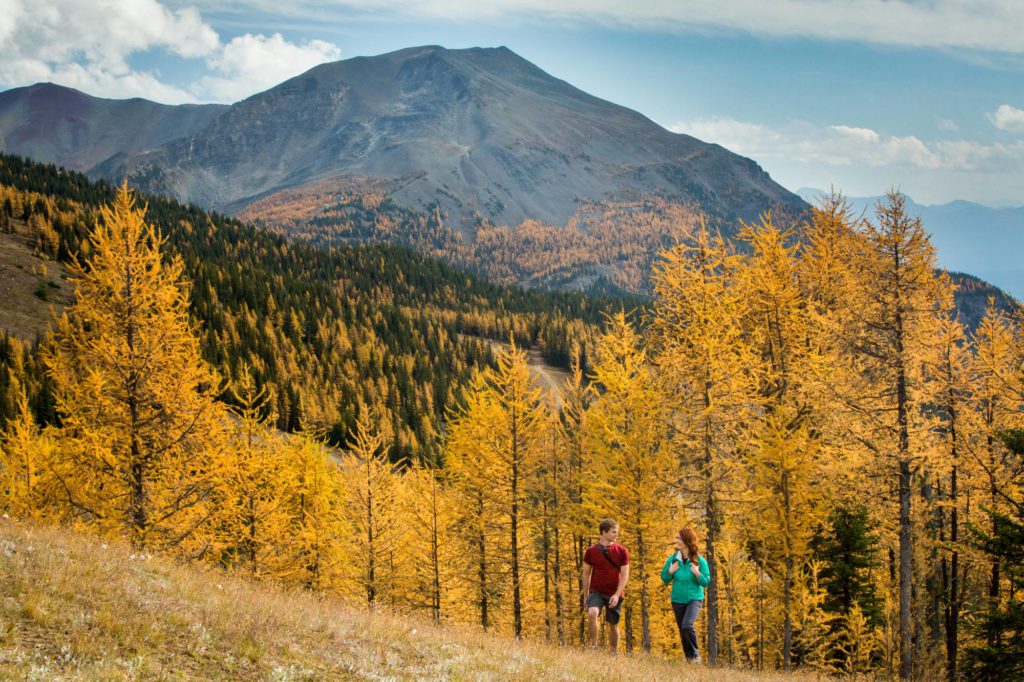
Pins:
x: 103, y: 546
x: 219, y: 587
x: 6, y: 516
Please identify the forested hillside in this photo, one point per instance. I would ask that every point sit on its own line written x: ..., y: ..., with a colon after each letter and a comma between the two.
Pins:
x: 606, y: 246
x: 327, y: 329
x: 805, y: 397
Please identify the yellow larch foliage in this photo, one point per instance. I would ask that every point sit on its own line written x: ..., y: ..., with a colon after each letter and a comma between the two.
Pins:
x: 141, y: 429
x: 30, y: 474
x: 319, y: 525
x: 784, y: 458
x: 372, y: 510
x: 252, y: 513
x: 706, y: 359
x: 894, y: 314
x: 636, y: 469
x: 494, y: 449
x: 427, y: 521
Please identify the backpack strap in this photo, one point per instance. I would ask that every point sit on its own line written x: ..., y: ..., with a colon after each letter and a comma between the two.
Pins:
x: 607, y: 555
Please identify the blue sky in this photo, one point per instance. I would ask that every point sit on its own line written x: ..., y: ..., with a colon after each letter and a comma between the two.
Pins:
x: 860, y: 94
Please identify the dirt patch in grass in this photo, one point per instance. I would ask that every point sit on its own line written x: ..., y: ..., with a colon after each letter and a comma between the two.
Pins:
x: 30, y: 287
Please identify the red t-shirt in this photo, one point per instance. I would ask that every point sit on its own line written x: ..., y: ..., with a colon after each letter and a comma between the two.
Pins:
x: 605, y: 576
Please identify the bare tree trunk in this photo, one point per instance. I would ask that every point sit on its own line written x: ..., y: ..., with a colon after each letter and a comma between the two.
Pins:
x: 627, y: 611
x: 906, y: 575
x: 559, y: 601
x: 906, y: 542
x: 712, y: 522
x: 787, y: 587
x: 645, y: 616
x: 951, y: 579
x: 517, y: 607
x: 371, y: 585
x: 435, y: 556
x: 482, y: 568
x: 580, y: 545
x: 760, y: 611
x: 546, y: 550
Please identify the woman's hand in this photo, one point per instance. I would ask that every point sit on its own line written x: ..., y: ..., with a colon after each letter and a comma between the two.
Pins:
x: 673, y: 568
x: 695, y: 569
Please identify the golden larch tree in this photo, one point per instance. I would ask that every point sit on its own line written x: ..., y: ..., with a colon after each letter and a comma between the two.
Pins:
x: 373, y: 510
x: 479, y: 502
x: 895, y: 313
x: 998, y: 390
x: 427, y: 517
x: 319, y: 500
x: 252, y: 498
x: 29, y: 468
x: 784, y: 458
x: 706, y: 359
x: 140, y: 424
x: 635, y: 466
x: 578, y: 477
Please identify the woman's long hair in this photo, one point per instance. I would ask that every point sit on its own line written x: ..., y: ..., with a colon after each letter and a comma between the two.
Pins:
x: 689, y: 539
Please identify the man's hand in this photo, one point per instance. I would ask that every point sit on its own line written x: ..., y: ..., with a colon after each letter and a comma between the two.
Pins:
x: 613, y: 601
x: 695, y: 569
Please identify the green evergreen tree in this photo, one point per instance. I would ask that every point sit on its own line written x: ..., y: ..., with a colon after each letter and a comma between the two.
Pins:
x: 845, y: 550
x: 1001, y: 657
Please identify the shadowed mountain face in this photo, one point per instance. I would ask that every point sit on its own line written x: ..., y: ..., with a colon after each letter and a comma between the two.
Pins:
x: 481, y: 132
x: 60, y: 125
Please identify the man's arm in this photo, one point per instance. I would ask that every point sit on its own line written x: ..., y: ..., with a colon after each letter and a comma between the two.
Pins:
x: 587, y: 570
x: 623, y: 579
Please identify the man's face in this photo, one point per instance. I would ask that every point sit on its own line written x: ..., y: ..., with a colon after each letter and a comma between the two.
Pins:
x: 611, y: 534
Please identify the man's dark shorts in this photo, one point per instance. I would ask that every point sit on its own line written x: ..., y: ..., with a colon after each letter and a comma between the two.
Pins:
x: 600, y: 601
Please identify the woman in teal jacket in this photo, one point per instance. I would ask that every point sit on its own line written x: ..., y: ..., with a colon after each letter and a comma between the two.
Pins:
x: 688, y: 573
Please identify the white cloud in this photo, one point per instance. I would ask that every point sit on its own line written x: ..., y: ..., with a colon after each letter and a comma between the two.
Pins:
x: 863, y: 161
x: 986, y: 25
x: 94, y: 80
x: 841, y: 145
x: 252, y: 63
x: 946, y: 125
x: 87, y: 44
x: 861, y: 134
x: 1008, y: 118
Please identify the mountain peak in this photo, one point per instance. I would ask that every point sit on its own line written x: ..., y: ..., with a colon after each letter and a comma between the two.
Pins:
x: 480, y: 133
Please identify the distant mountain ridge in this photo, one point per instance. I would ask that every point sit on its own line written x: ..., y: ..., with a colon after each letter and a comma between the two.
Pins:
x: 64, y: 126
x: 984, y: 241
x: 480, y: 133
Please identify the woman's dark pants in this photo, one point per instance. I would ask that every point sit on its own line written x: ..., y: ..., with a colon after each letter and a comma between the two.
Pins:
x: 686, y: 616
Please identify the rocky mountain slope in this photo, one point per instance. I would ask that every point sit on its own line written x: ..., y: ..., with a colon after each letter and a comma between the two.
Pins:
x: 481, y: 133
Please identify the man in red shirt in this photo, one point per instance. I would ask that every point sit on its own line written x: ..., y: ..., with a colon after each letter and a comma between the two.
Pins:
x: 605, y: 572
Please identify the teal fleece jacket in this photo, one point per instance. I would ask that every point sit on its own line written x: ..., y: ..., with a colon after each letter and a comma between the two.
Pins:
x: 685, y: 586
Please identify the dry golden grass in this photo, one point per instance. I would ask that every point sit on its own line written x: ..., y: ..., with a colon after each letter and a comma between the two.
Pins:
x: 75, y: 608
